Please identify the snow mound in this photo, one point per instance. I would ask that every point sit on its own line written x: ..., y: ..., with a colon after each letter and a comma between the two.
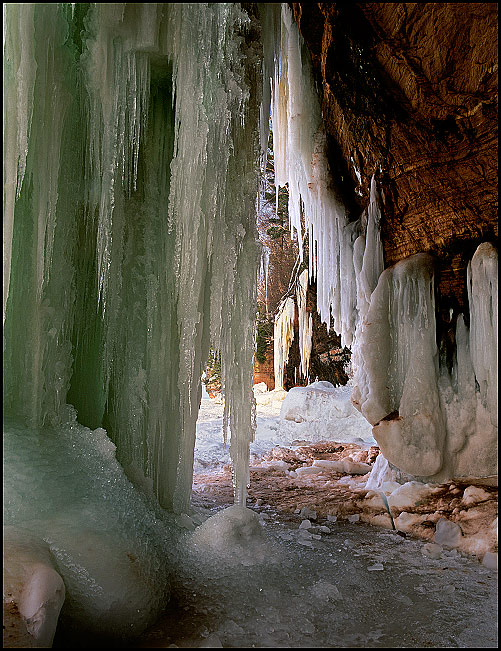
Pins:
x: 322, y: 412
x: 234, y: 534
x: 79, y: 517
x: 269, y: 398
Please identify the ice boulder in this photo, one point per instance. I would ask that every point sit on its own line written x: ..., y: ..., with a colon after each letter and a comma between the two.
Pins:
x: 448, y: 533
x: 322, y: 412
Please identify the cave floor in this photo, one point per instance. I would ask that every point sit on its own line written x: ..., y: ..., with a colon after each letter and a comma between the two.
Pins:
x: 358, y: 586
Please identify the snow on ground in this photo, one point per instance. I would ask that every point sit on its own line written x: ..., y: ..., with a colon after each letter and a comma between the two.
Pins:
x: 320, y: 412
x: 336, y: 469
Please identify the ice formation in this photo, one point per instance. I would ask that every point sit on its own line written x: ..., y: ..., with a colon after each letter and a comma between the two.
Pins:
x: 283, y: 334
x: 132, y: 212
x: 130, y: 246
x: 429, y: 422
x: 322, y: 412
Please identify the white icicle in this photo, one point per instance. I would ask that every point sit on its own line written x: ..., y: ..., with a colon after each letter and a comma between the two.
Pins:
x: 305, y: 323
x: 282, y: 338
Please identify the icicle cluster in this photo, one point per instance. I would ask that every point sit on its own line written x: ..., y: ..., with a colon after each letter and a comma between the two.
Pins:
x: 131, y: 166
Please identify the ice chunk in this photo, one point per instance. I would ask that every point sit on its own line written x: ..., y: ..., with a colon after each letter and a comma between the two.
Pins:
x: 308, y: 470
x: 490, y: 560
x: 474, y: 495
x: 324, y: 413
x: 409, y: 494
x: 447, y: 533
x: 432, y: 550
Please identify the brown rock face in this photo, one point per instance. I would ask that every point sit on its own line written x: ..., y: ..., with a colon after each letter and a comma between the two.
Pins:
x: 409, y: 93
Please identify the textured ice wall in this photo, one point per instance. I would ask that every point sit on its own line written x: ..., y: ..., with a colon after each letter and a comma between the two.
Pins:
x: 131, y: 163
x: 131, y: 179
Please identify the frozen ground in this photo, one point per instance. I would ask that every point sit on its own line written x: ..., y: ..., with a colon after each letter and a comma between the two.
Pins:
x: 312, y: 581
x: 354, y: 587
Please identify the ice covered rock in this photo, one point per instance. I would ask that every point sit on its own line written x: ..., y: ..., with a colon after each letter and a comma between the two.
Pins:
x: 260, y: 387
x: 447, y: 533
x: 409, y: 494
x: 322, y: 412
x: 474, y: 495
x: 353, y: 518
x: 406, y: 521
x: 272, y: 398
x: 34, y: 592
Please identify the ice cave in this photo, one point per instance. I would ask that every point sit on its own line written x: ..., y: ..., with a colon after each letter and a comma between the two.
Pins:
x: 296, y: 203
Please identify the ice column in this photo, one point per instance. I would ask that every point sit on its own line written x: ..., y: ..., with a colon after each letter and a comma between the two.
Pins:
x: 397, y: 373
x: 305, y: 323
x: 283, y: 335
x: 483, y: 300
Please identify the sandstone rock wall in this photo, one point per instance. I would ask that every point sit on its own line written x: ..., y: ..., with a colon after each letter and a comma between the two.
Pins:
x: 409, y: 92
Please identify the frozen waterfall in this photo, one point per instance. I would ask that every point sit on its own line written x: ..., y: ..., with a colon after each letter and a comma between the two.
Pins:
x: 130, y: 236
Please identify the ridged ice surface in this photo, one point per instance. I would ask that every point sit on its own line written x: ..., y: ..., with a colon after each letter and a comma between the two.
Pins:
x: 105, y: 540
